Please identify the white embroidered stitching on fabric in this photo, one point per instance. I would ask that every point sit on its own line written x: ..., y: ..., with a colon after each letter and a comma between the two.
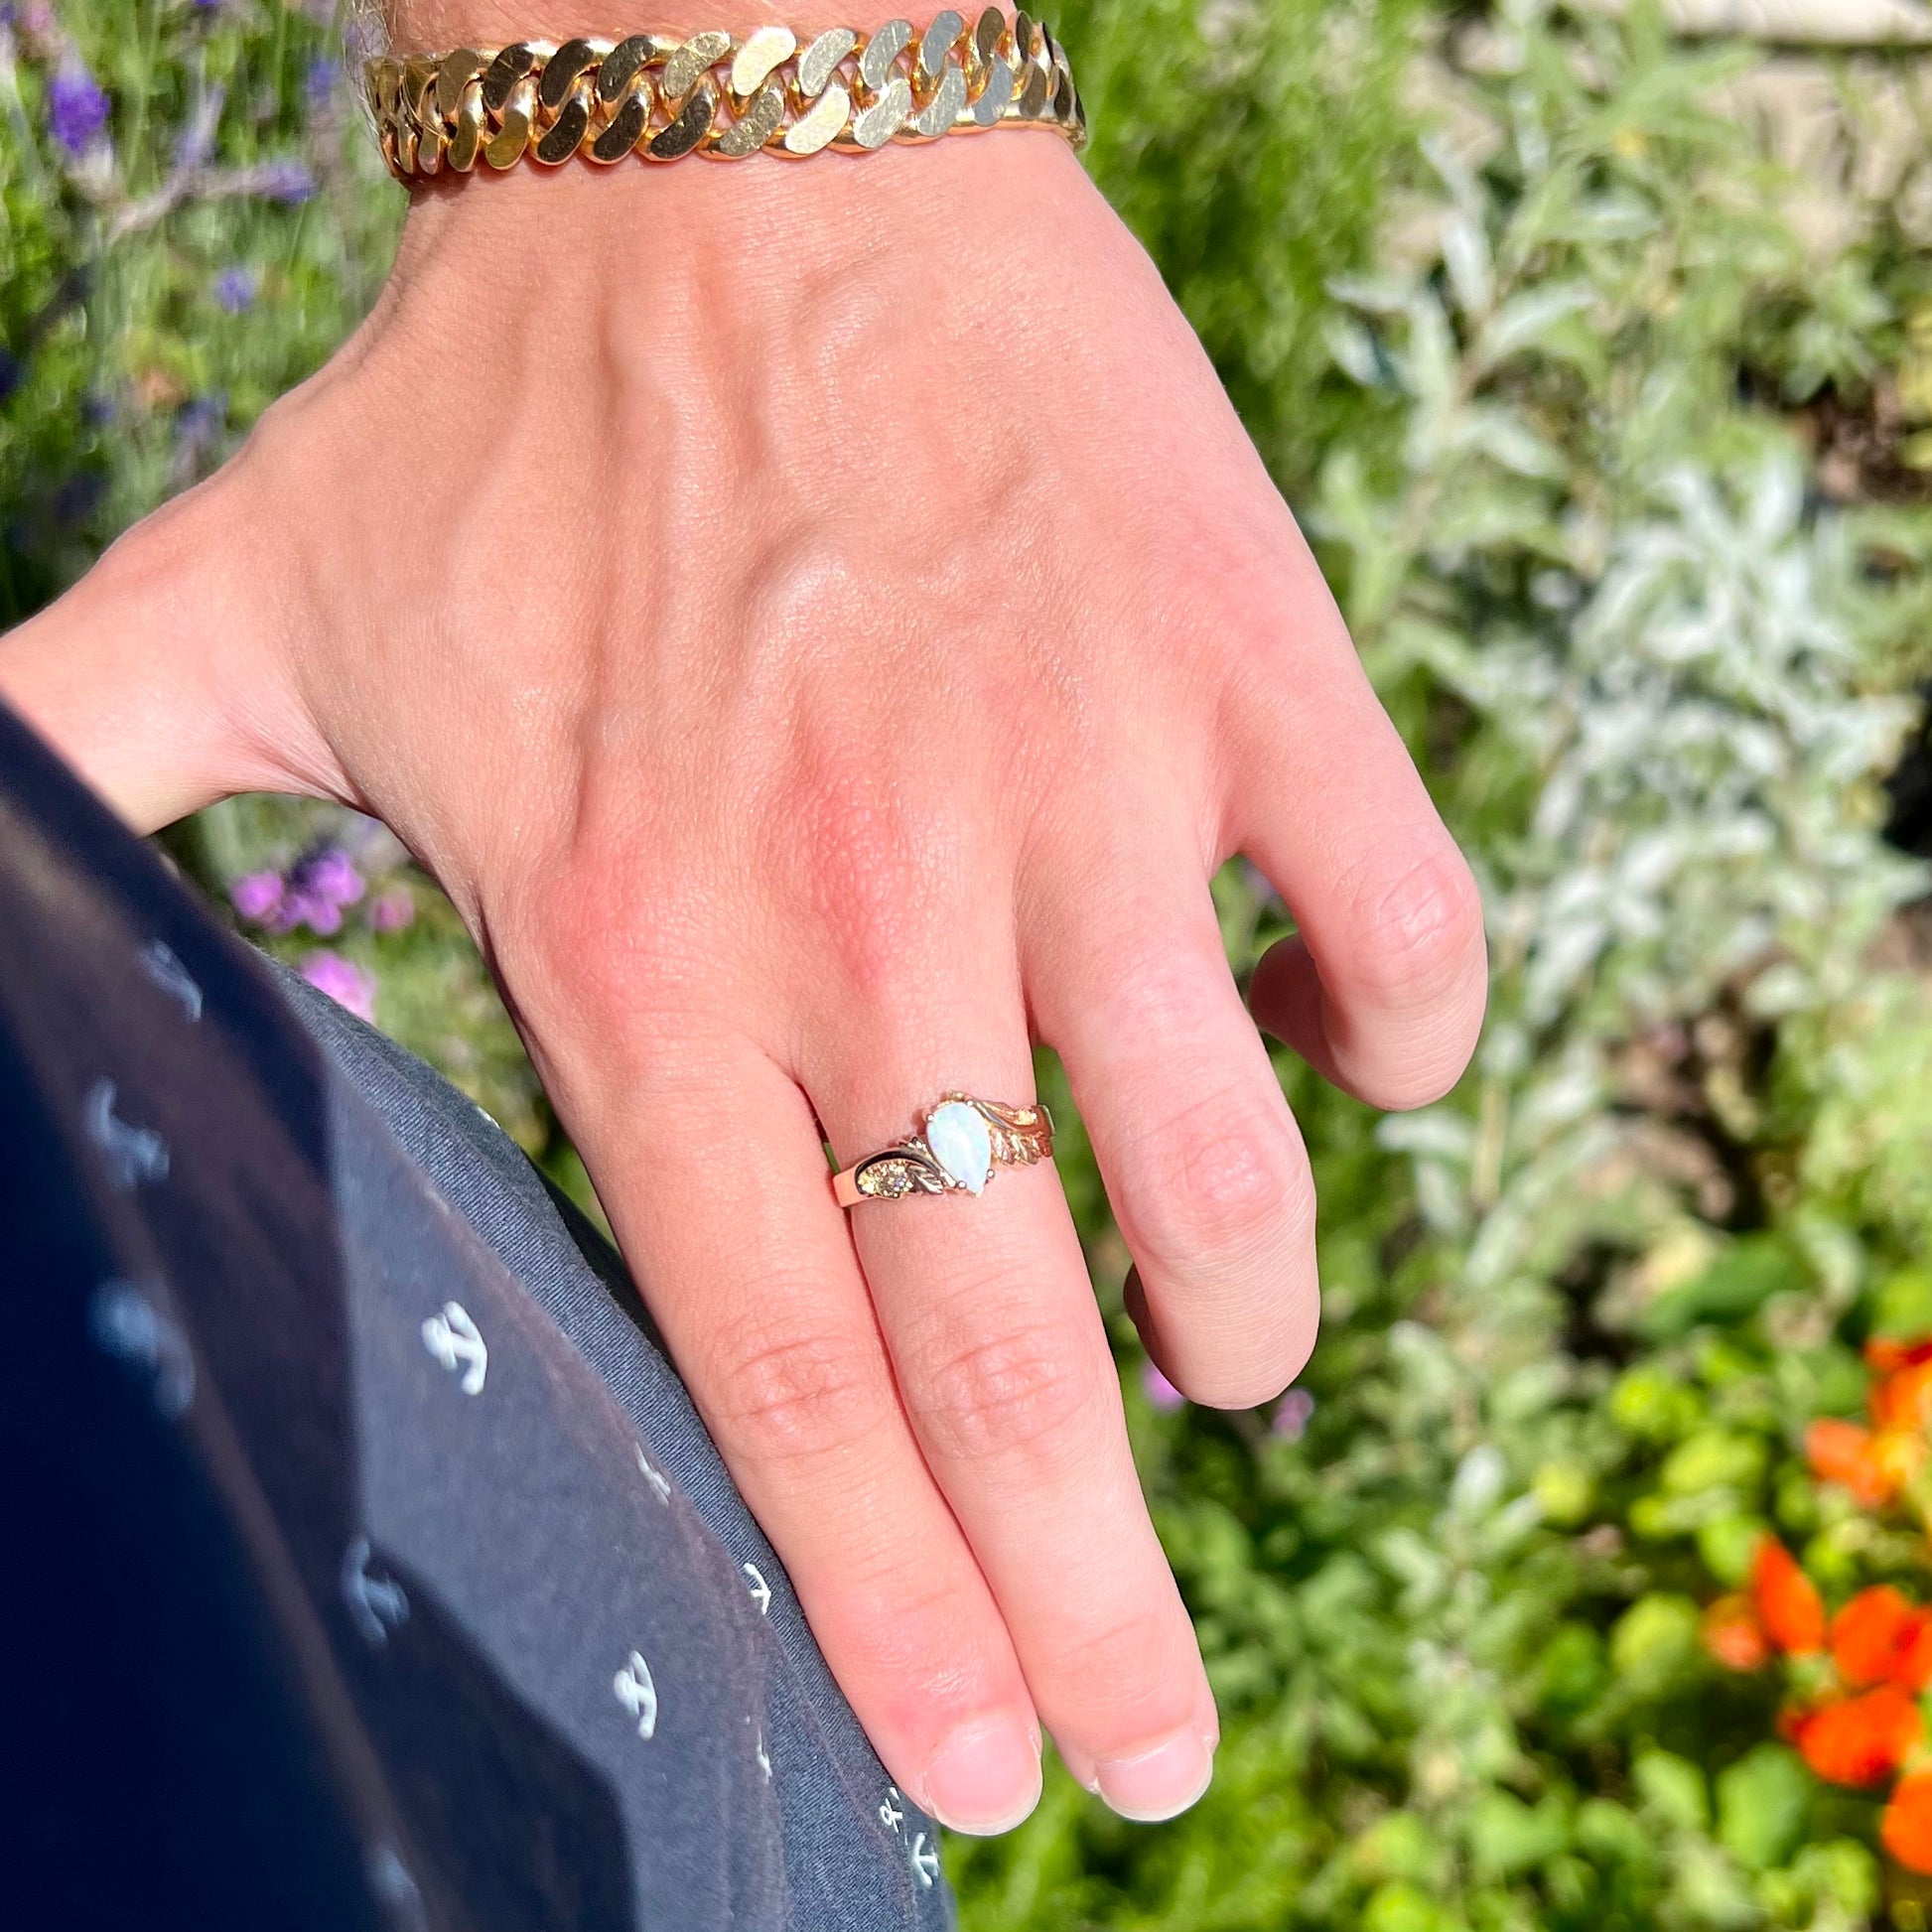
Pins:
x: 637, y: 1694
x: 134, y: 1153
x: 452, y: 1338
x: 760, y: 1589
x: 377, y: 1604
x: 651, y: 1477
x: 127, y: 1320
x: 925, y: 1861
x: 162, y: 964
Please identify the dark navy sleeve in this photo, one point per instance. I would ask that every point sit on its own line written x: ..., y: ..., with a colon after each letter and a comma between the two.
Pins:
x: 367, y: 1563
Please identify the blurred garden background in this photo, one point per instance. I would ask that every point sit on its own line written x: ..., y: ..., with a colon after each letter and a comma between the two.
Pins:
x: 1579, y: 1583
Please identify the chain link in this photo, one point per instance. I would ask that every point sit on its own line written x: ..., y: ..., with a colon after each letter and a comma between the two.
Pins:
x: 713, y: 93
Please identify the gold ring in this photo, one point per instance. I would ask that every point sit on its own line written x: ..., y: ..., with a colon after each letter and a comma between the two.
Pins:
x: 959, y: 1144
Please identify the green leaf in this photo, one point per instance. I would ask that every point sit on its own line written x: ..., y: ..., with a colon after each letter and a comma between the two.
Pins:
x: 1527, y: 320
x: 1728, y: 1545
x: 1655, y: 1645
x: 1400, y: 1907
x: 1400, y: 1846
x: 1614, y: 1834
x: 1672, y: 1789
x: 1762, y: 1800
x: 1902, y: 1309
x: 1734, y: 1287
x: 1715, y: 1459
x: 1507, y: 1838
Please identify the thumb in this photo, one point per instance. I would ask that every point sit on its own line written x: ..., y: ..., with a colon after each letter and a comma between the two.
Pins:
x: 161, y: 676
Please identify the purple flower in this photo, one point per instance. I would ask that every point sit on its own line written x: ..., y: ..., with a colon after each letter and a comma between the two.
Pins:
x: 323, y: 916
x: 203, y: 416
x: 200, y: 425
x: 345, y: 983
x: 234, y: 290
x: 330, y: 874
x: 258, y: 897
x: 317, y: 886
x: 320, y: 81
x: 393, y: 909
x: 285, y: 181
x: 77, y: 110
x: 1160, y: 1391
x: 75, y: 499
x: 313, y: 892
x: 363, y: 38
x: 1291, y: 1412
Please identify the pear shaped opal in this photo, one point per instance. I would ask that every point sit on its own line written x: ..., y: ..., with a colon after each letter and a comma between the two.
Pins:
x: 961, y: 1142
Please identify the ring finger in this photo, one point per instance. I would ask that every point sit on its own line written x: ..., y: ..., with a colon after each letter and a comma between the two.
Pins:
x: 1003, y: 1364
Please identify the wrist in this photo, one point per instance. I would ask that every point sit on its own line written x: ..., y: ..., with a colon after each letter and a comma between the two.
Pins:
x: 651, y: 266
x: 434, y: 26
x: 951, y: 204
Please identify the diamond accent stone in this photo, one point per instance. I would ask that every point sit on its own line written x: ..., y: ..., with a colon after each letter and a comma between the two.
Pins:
x: 961, y: 1142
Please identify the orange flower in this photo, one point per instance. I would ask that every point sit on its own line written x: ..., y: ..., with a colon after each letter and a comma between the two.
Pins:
x: 1844, y: 1451
x: 1880, y: 1638
x: 1888, y: 1356
x: 1734, y: 1635
x: 1859, y: 1739
x: 1902, y: 1401
x: 1787, y: 1600
x: 1907, y: 1826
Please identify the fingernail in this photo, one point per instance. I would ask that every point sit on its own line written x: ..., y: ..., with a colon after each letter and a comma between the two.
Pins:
x: 984, y: 1778
x: 1159, y: 1783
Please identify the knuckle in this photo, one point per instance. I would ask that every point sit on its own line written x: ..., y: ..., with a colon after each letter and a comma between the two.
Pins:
x: 1029, y: 1387
x: 866, y: 865
x: 942, y: 1654
x: 1141, y: 1673
x: 1219, y: 1180
x: 608, y: 943
x: 1227, y: 549
x: 795, y: 1396
x: 1415, y: 937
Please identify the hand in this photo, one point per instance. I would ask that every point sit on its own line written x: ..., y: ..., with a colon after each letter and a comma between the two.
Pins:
x: 823, y: 626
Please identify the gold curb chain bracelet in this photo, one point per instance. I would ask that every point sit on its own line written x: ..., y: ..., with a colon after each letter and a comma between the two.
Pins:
x: 717, y: 94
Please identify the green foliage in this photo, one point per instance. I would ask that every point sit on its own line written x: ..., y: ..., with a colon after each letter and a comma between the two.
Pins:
x: 224, y: 153
x: 1248, y: 147
x: 1579, y: 1313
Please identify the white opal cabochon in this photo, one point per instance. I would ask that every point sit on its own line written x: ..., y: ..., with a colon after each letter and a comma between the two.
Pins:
x: 961, y: 1142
